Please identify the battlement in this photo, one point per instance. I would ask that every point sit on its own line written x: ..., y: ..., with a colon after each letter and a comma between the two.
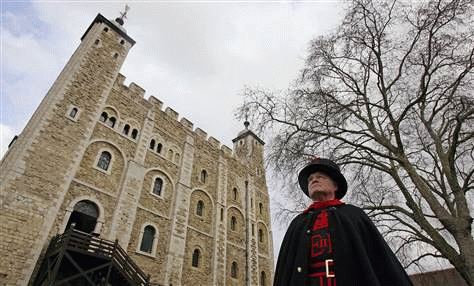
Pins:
x: 137, y: 94
x: 133, y: 91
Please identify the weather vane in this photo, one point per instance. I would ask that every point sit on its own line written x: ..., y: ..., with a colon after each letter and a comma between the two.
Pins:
x: 246, y: 123
x: 123, y: 15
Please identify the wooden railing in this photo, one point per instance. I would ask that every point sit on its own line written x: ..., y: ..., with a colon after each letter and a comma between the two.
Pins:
x: 79, y: 241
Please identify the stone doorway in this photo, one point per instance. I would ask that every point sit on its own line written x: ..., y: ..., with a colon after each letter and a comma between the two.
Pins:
x: 84, y: 216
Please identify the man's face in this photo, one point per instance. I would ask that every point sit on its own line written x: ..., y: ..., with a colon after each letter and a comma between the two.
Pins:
x: 321, y: 187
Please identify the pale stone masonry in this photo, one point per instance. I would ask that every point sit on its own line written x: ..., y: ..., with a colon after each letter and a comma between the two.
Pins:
x: 210, y: 214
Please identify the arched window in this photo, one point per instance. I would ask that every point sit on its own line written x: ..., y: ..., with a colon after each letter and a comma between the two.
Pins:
x: 260, y: 206
x: 158, y: 186
x: 134, y: 133
x: 234, y: 194
x: 73, y: 112
x: 196, y: 257
x: 147, y: 239
x: 170, y: 154
x: 176, y: 158
x: 263, y: 278
x: 199, y: 208
x: 126, y: 129
x: 103, y: 117
x: 233, y: 223
x: 233, y: 270
x: 104, y: 160
x: 111, y: 122
x: 159, y: 147
x: 260, y: 235
x: 152, y: 144
x: 203, y: 176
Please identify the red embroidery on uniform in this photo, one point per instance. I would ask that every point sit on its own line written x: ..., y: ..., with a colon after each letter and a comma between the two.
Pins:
x: 321, y: 240
x: 321, y: 221
x: 321, y: 244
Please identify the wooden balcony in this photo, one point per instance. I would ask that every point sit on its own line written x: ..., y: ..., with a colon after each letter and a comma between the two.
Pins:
x: 78, y: 258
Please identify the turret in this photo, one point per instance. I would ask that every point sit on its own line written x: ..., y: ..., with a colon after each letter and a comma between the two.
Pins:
x: 248, y: 147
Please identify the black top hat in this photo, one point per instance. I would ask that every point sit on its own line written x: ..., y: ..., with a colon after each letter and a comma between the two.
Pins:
x: 328, y: 167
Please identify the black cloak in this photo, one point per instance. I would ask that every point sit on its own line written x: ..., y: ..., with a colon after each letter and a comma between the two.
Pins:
x: 361, y: 255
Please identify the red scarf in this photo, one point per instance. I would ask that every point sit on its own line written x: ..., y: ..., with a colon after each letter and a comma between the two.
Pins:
x: 322, y: 205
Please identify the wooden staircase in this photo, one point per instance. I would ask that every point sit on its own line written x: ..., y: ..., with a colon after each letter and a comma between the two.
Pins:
x: 78, y: 258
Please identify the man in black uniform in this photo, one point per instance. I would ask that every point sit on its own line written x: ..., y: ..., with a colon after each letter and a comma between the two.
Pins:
x: 333, y: 241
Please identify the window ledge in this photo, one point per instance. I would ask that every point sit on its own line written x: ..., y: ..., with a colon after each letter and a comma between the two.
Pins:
x: 111, y: 128
x: 107, y: 172
x: 145, y: 254
x: 157, y: 196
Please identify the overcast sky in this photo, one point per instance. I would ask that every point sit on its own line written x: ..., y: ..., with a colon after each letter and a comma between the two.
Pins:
x: 194, y: 56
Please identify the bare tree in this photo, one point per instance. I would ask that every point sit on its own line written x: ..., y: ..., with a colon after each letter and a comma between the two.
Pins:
x: 389, y: 96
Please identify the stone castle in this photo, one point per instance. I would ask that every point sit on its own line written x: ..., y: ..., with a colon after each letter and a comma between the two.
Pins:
x: 99, y: 158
